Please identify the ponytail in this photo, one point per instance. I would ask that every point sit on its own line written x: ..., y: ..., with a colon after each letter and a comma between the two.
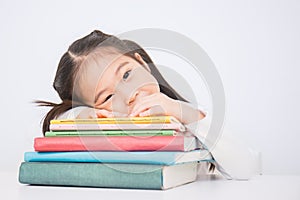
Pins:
x: 57, y: 109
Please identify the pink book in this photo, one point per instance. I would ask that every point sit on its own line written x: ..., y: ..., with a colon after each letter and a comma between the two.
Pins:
x: 116, y: 143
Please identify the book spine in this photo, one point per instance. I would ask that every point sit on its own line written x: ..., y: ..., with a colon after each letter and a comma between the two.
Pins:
x: 92, y: 174
x: 110, y: 133
x: 141, y: 157
x: 56, y: 127
x: 155, y: 158
x: 124, y: 120
x: 110, y: 143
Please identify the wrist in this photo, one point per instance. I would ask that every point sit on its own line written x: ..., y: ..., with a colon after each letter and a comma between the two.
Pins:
x: 186, y: 113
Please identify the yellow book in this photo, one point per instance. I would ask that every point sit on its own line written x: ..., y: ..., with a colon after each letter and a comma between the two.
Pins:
x: 120, y: 120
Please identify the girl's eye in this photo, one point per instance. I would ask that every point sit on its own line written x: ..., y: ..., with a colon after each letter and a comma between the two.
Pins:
x: 107, y: 98
x: 126, y: 74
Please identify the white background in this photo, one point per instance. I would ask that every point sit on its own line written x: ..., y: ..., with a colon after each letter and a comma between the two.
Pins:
x: 254, y: 45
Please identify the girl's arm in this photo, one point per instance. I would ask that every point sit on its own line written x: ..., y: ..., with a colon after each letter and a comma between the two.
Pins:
x: 84, y: 112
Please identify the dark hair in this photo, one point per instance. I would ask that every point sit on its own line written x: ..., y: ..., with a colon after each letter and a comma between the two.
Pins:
x: 71, y: 61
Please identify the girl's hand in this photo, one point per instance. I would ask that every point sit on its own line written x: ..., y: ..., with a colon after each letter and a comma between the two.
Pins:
x: 92, y: 113
x: 160, y: 104
x: 155, y: 104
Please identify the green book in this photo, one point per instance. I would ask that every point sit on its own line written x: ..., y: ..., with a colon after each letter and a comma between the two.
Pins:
x: 111, y: 133
x: 134, y: 176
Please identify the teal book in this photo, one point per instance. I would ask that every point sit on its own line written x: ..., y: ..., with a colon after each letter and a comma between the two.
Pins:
x: 134, y: 176
x: 142, y: 157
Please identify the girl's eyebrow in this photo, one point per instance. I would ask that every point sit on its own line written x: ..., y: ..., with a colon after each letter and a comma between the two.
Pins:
x: 116, y: 73
x: 120, y: 66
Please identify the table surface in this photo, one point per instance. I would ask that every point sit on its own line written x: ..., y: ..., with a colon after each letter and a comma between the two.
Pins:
x: 208, y: 187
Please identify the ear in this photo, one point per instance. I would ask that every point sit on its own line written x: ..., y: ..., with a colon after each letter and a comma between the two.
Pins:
x: 141, y: 60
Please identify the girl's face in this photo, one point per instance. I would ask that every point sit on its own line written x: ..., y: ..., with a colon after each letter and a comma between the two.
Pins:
x: 116, y: 82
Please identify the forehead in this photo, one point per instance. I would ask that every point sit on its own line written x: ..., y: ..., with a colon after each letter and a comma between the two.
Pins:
x: 98, y: 69
x: 99, y: 63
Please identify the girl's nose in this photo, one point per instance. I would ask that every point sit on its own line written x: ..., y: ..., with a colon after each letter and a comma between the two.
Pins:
x: 132, y: 97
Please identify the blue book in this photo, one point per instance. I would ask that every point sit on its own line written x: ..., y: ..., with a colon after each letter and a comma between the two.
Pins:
x: 140, y: 157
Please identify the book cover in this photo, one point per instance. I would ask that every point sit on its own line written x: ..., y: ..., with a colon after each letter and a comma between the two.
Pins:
x: 116, y: 143
x: 120, y: 126
x: 119, y: 120
x: 141, y: 157
x: 110, y: 133
x: 135, y: 176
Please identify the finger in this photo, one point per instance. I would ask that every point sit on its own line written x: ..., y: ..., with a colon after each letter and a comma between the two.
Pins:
x: 92, y: 115
x: 87, y: 114
x: 143, y: 104
x: 153, y: 111
x: 118, y: 114
x: 145, y: 113
x: 104, y: 113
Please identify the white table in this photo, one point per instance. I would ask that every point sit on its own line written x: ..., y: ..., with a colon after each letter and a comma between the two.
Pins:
x: 210, y: 187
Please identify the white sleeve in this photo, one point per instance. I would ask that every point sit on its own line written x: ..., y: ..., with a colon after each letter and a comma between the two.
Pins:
x: 72, y: 113
x: 233, y: 159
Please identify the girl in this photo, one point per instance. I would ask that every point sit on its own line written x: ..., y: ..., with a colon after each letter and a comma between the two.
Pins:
x: 103, y: 76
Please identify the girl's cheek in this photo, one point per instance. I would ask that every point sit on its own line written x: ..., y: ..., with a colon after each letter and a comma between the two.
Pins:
x: 142, y: 77
x: 117, y: 105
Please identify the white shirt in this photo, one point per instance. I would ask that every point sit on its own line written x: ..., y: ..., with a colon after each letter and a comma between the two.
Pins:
x: 233, y: 158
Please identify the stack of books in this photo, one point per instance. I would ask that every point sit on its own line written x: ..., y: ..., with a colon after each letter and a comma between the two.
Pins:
x: 137, y: 152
